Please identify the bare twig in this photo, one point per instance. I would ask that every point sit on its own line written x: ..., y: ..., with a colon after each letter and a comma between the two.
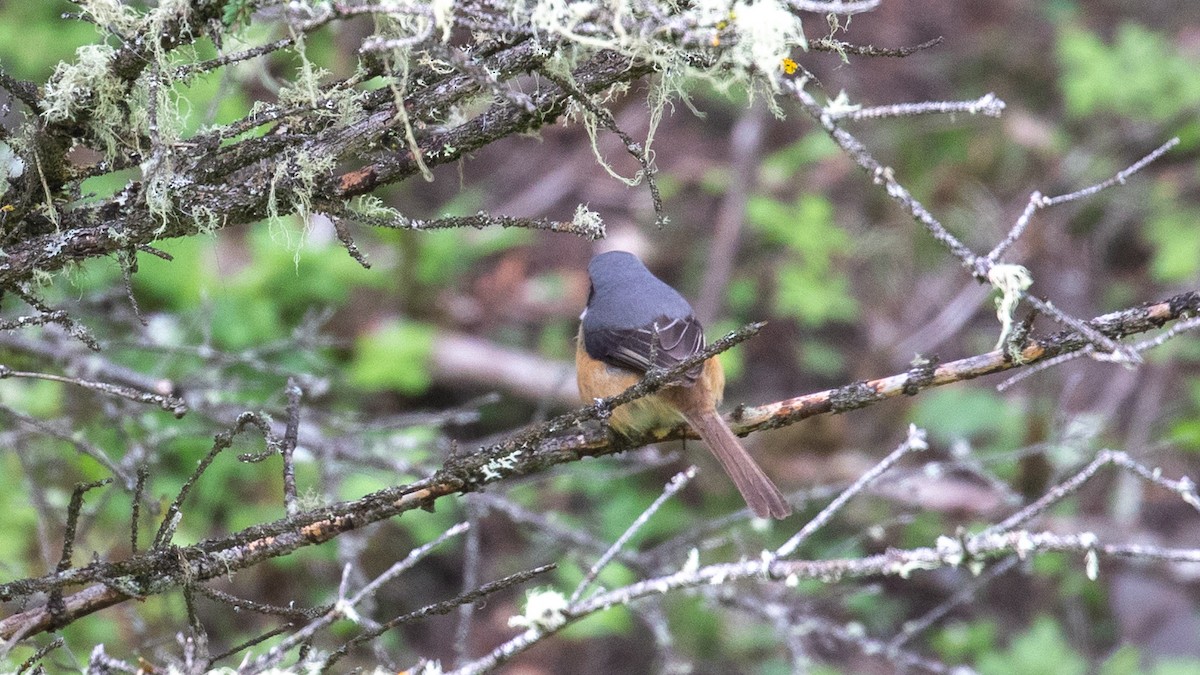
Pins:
x: 676, y: 484
x: 221, y: 442
x: 472, y: 555
x: 288, y: 449
x: 437, y: 608
x: 83, y: 447
x: 135, y: 509
x: 40, y: 654
x: 588, y: 230
x: 987, y: 105
x: 962, y: 595
x: 834, y: 6
x: 979, y: 266
x: 294, y: 613
x: 895, y: 562
x: 1184, y: 487
x: 172, y: 404
x: 344, y: 607
x: 914, y: 443
x: 831, y: 45
x: 635, y: 149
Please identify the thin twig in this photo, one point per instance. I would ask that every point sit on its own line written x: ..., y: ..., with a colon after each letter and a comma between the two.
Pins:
x: 977, y: 265
x: 676, y: 484
x: 344, y: 607
x: 1184, y: 487
x: 40, y: 654
x: 288, y: 449
x: 635, y: 149
x: 833, y: 6
x: 1118, y: 179
x: 837, y: 46
x: 221, y: 442
x: 237, y: 603
x: 964, y: 594
x: 987, y: 105
x: 436, y: 608
x: 135, y: 509
x: 472, y: 558
x: 915, y: 442
x: 948, y: 553
x: 173, y: 404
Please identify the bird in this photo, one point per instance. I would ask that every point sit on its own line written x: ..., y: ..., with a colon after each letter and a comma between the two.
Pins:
x: 633, y: 323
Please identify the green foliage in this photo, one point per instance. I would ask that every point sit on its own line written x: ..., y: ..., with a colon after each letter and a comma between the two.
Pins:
x: 781, y: 168
x: 395, y: 356
x: 25, y: 24
x: 982, y: 416
x: 1040, y: 650
x: 1124, y: 661
x: 809, y: 286
x: 182, y: 282
x: 1185, y: 431
x: 319, y: 273
x: 237, y: 12
x: 255, y: 300
x: 818, y: 357
x: 36, y: 398
x: 962, y: 642
x: 1171, y: 229
x: 1140, y: 75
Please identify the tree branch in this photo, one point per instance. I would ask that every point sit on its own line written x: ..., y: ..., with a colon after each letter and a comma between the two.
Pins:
x: 557, y: 441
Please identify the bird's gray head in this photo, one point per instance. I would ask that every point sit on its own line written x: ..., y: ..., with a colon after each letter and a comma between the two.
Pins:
x: 626, y: 295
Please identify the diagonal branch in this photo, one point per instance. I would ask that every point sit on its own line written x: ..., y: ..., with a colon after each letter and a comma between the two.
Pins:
x: 558, y: 441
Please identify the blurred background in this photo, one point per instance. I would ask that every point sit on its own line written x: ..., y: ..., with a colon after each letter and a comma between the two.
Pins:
x: 768, y: 221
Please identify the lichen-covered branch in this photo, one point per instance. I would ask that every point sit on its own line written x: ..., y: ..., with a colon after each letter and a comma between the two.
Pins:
x: 540, y: 448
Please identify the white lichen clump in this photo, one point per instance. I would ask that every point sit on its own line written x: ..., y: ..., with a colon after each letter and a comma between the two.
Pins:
x: 543, y: 611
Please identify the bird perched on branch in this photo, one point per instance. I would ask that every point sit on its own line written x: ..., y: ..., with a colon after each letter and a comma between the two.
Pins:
x: 633, y: 323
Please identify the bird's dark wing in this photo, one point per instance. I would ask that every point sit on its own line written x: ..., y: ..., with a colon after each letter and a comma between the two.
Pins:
x: 662, y: 344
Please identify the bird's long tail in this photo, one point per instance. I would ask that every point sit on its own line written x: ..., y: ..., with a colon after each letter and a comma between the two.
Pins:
x: 761, y: 495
